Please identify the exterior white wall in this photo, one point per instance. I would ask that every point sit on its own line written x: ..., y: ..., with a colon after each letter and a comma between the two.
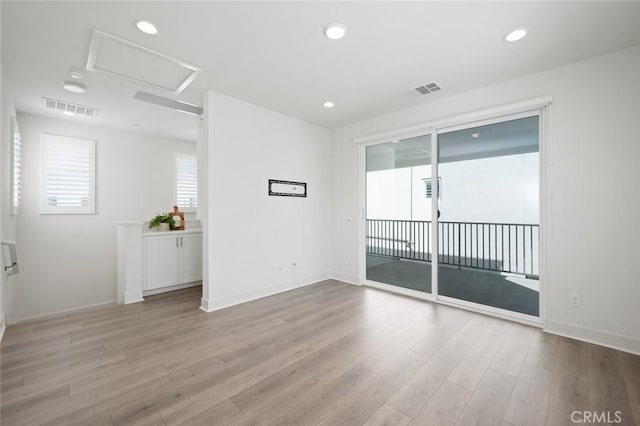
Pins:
x: 253, y: 238
x: 69, y: 261
x: 592, y: 182
x: 497, y: 190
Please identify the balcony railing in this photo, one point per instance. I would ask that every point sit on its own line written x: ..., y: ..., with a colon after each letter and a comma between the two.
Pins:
x: 503, y: 247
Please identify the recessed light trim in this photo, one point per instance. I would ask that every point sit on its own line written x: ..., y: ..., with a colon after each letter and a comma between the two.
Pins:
x: 73, y: 87
x: 395, y: 141
x: 328, y: 104
x: 335, y: 31
x: 515, y: 35
x: 475, y: 135
x: 147, y: 27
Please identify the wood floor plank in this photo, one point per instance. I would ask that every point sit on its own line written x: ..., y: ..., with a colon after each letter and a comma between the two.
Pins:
x: 357, y: 407
x: 388, y: 416
x: 444, y: 407
x: 530, y: 398
x: 570, y: 387
x: 476, y: 361
x: 489, y: 401
x: 631, y: 371
x: 510, y: 356
x: 416, y: 392
x: 328, y: 353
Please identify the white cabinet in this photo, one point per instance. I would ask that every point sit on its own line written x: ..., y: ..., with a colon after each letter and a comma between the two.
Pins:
x: 190, y: 262
x: 172, y: 260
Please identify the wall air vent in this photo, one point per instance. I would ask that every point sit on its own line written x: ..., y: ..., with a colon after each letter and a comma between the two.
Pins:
x: 169, y: 103
x: 69, y: 108
x: 423, y: 90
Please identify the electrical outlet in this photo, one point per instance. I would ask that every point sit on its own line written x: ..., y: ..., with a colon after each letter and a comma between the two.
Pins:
x: 294, y: 264
x: 574, y: 300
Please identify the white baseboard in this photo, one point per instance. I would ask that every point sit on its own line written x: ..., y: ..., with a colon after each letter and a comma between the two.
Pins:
x: 3, y: 326
x: 171, y: 288
x: 133, y: 297
x: 598, y: 337
x: 65, y: 311
x: 236, y: 299
x: 349, y: 279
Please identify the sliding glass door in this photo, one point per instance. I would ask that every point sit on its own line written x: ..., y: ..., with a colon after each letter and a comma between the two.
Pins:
x: 398, y: 214
x: 469, y: 237
x: 488, y: 230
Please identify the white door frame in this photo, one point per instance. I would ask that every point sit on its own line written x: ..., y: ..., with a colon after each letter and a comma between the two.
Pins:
x: 532, y: 107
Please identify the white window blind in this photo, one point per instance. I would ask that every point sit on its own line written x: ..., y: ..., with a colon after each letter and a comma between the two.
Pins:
x: 16, y: 168
x: 186, y: 182
x: 68, y: 175
x: 428, y: 188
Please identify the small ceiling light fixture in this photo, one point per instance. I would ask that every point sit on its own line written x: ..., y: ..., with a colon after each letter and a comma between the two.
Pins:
x: 475, y: 135
x: 73, y: 87
x: 147, y: 27
x: 75, y: 73
x: 328, y: 104
x: 335, y: 31
x: 516, y: 35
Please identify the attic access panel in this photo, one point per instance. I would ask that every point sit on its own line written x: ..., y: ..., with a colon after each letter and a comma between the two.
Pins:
x: 123, y: 59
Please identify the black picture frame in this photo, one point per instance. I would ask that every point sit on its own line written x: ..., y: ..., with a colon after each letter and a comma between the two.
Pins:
x: 298, y: 189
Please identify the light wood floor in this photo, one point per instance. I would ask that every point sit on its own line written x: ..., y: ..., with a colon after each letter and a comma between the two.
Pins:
x: 330, y: 353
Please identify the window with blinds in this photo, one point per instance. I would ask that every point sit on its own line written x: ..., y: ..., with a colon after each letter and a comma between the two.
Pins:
x: 428, y: 187
x: 68, y: 175
x: 186, y: 182
x: 16, y: 168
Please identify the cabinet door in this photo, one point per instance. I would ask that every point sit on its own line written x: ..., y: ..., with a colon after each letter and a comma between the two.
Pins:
x: 162, y: 261
x: 190, y: 258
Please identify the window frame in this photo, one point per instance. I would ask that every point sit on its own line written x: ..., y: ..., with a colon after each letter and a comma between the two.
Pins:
x: 177, y: 156
x: 46, y: 209
x: 16, y: 185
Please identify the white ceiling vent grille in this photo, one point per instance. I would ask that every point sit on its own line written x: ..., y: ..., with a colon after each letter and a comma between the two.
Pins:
x: 423, y: 90
x: 70, y: 108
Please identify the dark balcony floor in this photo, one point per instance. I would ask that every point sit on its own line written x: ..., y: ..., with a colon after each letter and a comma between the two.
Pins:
x: 513, y: 293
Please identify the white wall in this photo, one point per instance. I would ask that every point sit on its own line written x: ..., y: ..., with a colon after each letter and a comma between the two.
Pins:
x: 69, y: 261
x: 250, y: 233
x: 592, y: 189
x: 497, y: 189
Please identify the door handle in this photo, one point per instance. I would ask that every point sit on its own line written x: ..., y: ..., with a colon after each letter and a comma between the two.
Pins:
x: 176, y: 242
x: 180, y: 241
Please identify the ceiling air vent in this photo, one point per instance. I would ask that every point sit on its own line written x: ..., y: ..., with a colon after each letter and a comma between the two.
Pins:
x: 70, y: 108
x: 423, y: 90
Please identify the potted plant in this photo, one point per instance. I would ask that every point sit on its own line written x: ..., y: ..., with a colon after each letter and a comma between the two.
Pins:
x: 162, y: 221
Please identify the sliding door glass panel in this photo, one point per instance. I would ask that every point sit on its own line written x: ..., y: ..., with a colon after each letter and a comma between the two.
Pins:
x: 488, y: 229
x: 398, y: 213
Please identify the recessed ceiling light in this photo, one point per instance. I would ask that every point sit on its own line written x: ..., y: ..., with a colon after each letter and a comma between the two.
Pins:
x: 335, y: 31
x: 69, y: 113
x: 73, y: 87
x: 395, y: 141
x: 75, y: 73
x: 147, y: 27
x: 516, y: 35
x: 475, y: 135
x: 328, y: 104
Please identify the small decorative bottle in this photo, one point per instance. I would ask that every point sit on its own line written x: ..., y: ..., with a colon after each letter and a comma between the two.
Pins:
x: 178, y: 217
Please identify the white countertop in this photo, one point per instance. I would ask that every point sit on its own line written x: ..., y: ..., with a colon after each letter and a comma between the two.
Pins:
x: 151, y: 233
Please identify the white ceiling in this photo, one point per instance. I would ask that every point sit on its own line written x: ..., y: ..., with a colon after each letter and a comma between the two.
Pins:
x: 274, y: 54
